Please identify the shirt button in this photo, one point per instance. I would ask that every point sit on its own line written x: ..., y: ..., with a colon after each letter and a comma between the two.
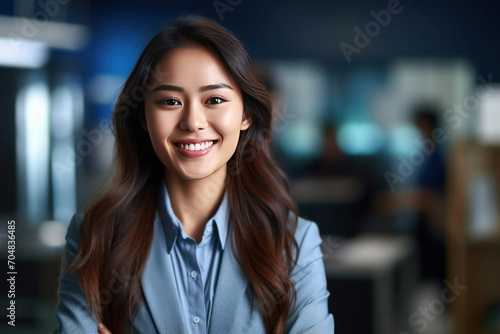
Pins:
x: 209, y: 228
x: 194, y: 274
x: 196, y: 320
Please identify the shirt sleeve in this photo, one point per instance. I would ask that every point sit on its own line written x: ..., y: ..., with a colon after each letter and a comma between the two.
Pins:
x: 72, y: 312
x: 310, y: 313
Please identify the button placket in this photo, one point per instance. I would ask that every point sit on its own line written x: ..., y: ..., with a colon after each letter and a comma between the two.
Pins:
x: 195, y: 292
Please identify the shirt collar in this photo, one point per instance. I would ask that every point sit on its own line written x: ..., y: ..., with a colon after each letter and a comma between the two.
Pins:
x: 171, y: 223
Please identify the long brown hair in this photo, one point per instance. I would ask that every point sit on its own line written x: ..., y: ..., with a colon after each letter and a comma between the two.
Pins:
x: 117, y: 229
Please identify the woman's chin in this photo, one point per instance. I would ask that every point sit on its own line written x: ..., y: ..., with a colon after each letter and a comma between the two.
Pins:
x: 195, y: 172
x: 194, y: 175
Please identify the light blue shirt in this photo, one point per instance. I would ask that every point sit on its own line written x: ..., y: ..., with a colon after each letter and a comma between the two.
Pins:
x: 234, y: 309
x: 196, y: 266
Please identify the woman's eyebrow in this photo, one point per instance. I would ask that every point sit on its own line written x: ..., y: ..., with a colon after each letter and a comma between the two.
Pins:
x: 169, y: 87
x: 215, y: 86
x: 202, y: 89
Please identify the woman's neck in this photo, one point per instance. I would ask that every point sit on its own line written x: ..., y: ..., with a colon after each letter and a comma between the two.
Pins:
x: 194, y: 202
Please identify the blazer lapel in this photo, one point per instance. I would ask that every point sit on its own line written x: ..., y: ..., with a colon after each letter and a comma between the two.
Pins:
x: 158, y: 284
x: 231, y: 286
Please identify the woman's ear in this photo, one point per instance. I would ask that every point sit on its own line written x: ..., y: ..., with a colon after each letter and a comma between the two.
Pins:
x: 247, y: 121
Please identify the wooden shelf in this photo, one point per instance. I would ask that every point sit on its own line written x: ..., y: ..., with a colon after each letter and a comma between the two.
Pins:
x: 475, y: 263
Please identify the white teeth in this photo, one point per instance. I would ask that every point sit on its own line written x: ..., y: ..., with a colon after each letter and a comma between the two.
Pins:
x: 197, y: 146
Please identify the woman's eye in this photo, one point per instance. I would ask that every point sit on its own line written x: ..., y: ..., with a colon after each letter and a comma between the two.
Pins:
x: 215, y: 100
x: 170, y: 102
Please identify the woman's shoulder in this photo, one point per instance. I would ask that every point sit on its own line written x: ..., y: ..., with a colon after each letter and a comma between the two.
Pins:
x: 73, y: 232
x: 305, y: 229
x: 75, y: 223
x: 308, y: 239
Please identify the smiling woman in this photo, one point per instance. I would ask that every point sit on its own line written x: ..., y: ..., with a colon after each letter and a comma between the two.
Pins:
x: 193, y: 111
x: 178, y: 242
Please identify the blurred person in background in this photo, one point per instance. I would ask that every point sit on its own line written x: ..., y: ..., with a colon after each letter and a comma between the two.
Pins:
x: 423, y: 201
x: 331, y: 161
x: 265, y: 75
x: 150, y: 255
x: 429, y: 198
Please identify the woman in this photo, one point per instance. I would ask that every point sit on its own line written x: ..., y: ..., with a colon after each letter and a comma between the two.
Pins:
x: 196, y: 233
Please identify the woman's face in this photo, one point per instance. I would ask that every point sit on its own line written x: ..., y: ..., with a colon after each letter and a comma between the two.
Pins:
x: 194, y: 113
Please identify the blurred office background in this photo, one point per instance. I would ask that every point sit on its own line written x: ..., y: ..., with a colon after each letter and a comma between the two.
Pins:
x: 387, y: 122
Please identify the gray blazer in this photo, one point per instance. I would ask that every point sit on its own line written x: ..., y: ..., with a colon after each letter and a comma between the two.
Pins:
x: 234, y: 309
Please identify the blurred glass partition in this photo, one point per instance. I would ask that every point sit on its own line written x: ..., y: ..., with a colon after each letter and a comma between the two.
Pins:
x: 67, y: 116
x: 32, y: 148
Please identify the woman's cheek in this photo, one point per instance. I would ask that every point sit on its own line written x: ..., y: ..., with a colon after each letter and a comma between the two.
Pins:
x: 161, y: 125
x: 229, y: 120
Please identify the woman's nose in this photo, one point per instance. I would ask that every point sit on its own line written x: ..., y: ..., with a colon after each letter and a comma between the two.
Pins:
x: 193, y: 118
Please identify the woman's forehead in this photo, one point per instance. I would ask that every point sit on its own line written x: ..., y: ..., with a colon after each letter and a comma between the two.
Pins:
x: 191, y: 65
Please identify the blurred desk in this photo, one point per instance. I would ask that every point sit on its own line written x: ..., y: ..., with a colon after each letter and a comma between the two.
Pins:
x: 389, y: 265
x: 327, y: 190
x: 336, y: 204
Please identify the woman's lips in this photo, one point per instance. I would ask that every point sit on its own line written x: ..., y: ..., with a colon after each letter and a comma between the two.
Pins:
x: 196, y: 149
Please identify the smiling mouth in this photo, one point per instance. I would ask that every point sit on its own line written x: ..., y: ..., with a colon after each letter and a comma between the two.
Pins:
x: 199, y: 146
